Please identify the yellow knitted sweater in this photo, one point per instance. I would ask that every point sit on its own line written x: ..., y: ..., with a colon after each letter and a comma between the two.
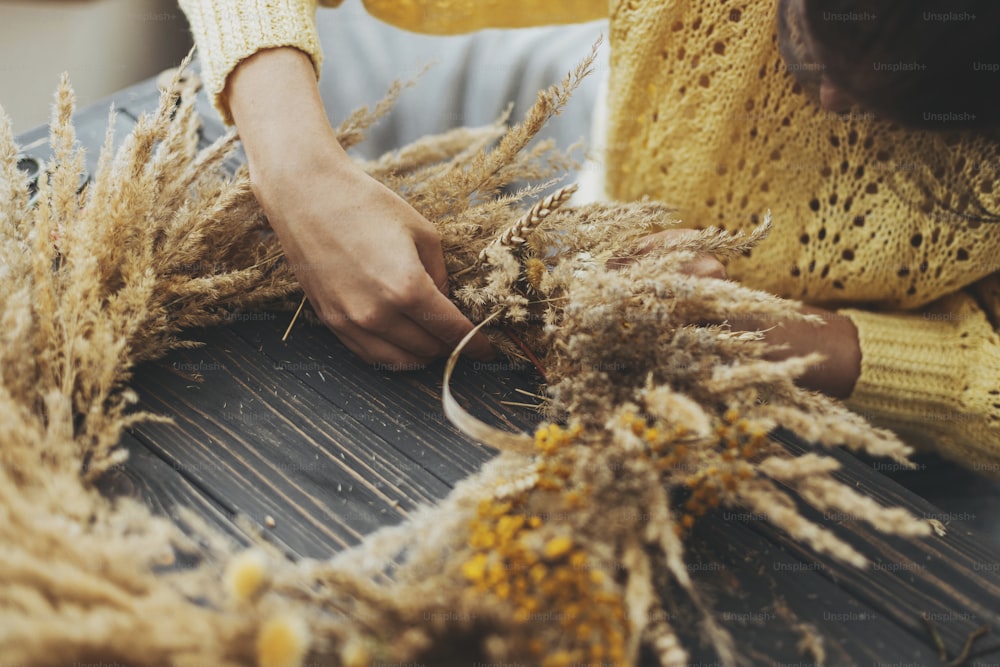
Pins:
x: 876, y: 220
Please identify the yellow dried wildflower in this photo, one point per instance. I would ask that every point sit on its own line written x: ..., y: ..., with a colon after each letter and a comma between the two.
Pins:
x: 557, y: 547
x: 245, y: 574
x: 283, y: 642
x: 475, y: 568
x: 534, y: 271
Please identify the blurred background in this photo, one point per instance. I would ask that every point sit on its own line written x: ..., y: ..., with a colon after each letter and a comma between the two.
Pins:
x: 105, y: 45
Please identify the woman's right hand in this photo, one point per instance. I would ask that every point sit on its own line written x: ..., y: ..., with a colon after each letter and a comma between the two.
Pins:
x: 371, y: 266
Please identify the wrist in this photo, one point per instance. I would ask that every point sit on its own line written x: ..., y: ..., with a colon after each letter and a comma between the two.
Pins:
x: 277, y: 108
x: 840, y: 343
x: 305, y: 158
x: 837, y: 340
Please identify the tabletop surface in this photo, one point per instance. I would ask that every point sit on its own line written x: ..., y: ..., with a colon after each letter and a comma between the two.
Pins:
x: 317, y: 448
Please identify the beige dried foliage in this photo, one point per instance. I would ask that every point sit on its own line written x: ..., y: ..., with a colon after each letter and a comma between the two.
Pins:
x: 658, y: 409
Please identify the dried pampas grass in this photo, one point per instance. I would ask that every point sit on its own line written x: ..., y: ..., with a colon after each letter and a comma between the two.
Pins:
x: 657, y: 410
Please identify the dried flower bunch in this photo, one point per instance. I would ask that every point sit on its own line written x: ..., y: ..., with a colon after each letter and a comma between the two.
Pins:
x: 549, y: 555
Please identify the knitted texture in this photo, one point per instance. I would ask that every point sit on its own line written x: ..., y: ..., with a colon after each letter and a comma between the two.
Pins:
x: 704, y: 115
x: 229, y: 31
x: 460, y: 16
x: 931, y: 378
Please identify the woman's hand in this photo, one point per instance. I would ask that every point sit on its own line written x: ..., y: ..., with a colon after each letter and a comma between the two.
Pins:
x: 705, y: 265
x: 837, y: 340
x: 371, y: 266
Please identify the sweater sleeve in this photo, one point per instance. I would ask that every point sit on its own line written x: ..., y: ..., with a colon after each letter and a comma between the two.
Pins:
x: 933, y: 377
x: 228, y: 31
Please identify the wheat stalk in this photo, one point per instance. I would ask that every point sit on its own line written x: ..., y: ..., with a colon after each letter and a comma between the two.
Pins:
x: 517, y: 234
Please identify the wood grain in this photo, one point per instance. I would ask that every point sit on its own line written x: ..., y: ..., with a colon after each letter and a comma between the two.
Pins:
x: 265, y: 444
x: 149, y: 479
x: 955, y: 579
x: 404, y: 408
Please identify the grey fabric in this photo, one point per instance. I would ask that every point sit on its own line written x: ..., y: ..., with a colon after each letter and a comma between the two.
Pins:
x: 472, y: 80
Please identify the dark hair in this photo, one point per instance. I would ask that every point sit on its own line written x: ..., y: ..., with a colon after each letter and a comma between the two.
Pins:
x: 922, y: 63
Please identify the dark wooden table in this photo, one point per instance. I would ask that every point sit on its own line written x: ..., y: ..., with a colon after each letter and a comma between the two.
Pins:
x: 317, y: 448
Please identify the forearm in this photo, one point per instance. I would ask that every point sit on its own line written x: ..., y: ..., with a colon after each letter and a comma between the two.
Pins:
x: 368, y: 262
x: 277, y: 108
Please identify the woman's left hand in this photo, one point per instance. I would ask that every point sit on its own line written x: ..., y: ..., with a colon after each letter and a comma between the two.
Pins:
x: 836, y: 340
x: 705, y: 265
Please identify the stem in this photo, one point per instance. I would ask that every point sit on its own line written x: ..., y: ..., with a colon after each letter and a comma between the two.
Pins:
x: 294, y: 318
x: 527, y: 352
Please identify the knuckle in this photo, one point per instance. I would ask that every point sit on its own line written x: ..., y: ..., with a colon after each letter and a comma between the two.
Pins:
x: 366, y: 318
x: 331, y: 319
x: 428, y: 233
x: 420, y: 225
x: 718, y: 269
x: 406, y: 293
x: 709, y: 266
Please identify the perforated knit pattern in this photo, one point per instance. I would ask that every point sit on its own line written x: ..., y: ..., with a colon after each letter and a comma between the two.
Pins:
x: 704, y: 115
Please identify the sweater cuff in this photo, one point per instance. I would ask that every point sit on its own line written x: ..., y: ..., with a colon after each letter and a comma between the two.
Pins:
x: 229, y: 31
x: 929, y: 377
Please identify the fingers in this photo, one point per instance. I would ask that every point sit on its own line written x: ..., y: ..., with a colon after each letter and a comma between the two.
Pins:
x: 386, y: 335
x: 435, y: 313
x: 704, y: 265
x: 411, y: 341
x: 382, y: 354
x: 431, y: 256
x: 386, y: 297
x: 407, y: 327
x: 444, y: 321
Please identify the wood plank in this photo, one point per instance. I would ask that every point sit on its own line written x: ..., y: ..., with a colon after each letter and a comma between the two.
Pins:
x: 965, y: 499
x: 155, y: 483
x: 955, y: 579
x: 270, y: 447
x: 404, y: 408
x: 764, y: 596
